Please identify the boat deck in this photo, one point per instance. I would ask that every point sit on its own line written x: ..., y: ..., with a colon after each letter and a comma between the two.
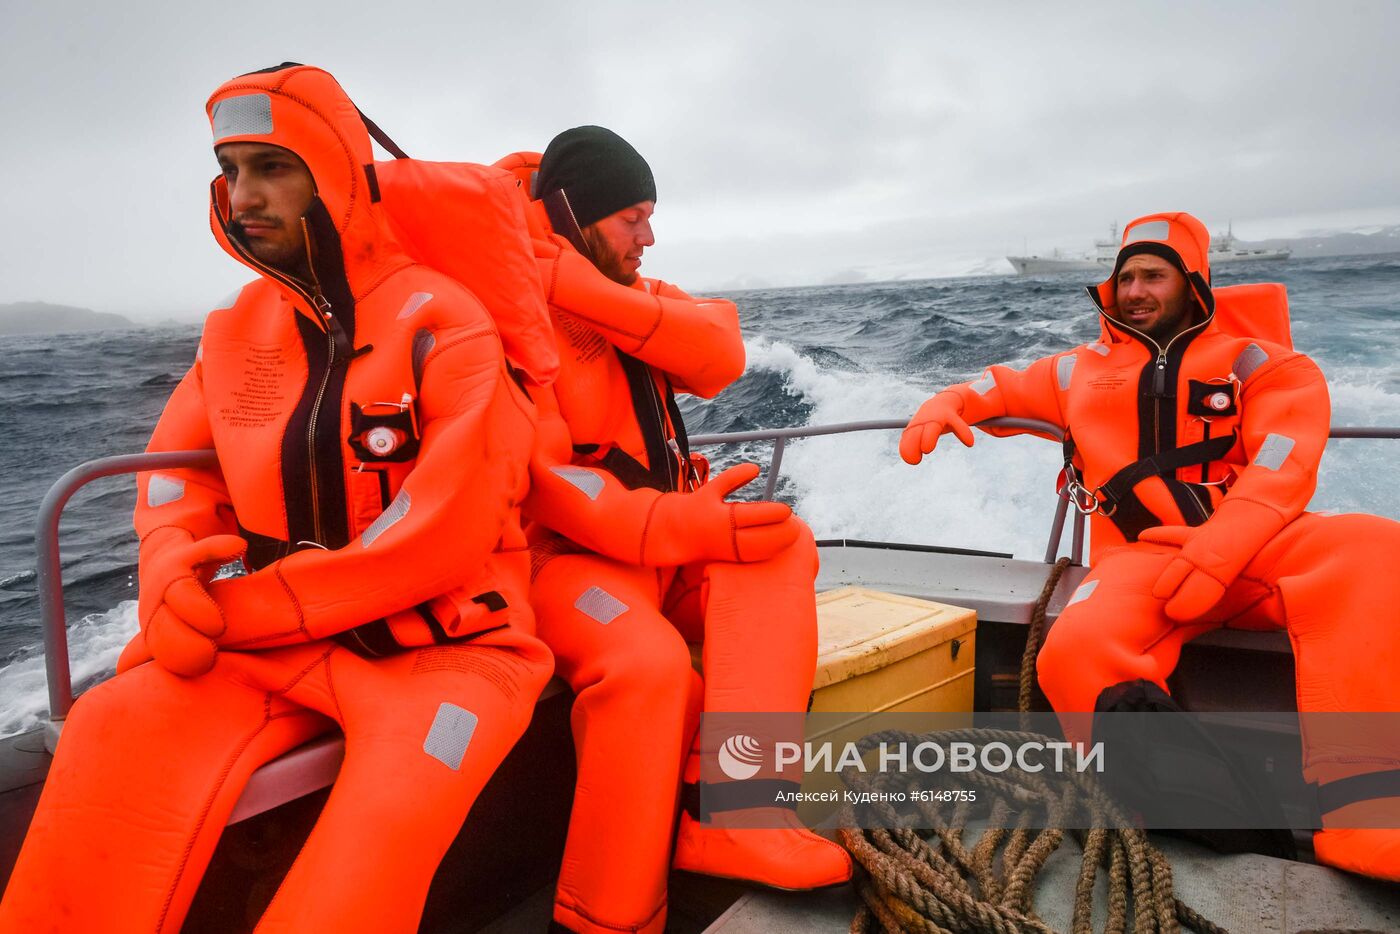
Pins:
x: 1245, y: 894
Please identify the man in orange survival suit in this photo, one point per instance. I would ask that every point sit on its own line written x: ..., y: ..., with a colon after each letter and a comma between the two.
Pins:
x: 1201, y: 448
x: 371, y: 448
x: 671, y: 559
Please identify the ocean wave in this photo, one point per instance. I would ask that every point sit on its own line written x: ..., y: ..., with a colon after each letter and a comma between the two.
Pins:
x: 1361, y: 397
x: 825, y: 356
x: 93, y: 646
x: 998, y: 495
x: 1358, y: 475
x: 23, y: 577
x: 817, y: 355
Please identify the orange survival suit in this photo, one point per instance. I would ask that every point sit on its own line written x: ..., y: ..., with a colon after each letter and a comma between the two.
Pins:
x: 642, y: 564
x: 372, y: 453
x: 1197, y: 460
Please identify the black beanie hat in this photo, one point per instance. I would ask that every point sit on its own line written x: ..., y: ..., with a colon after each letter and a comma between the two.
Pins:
x: 598, y: 170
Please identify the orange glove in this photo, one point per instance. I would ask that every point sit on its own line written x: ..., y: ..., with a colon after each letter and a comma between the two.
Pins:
x: 1190, y: 592
x: 703, y: 526
x: 1212, y: 555
x: 939, y: 414
x: 179, y: 619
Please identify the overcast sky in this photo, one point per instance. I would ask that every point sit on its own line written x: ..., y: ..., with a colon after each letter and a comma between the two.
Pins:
x: 791, y: 145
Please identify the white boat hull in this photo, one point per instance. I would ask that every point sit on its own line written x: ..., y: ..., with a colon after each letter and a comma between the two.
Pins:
x: 1049, y: 265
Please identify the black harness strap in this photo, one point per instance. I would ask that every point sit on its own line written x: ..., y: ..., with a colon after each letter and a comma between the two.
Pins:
x: 703, y: 799
x: 380, y: 137
x: 1120, y: 486
x: 262, y: 549
x: 1344, y: 791
x: 629, y: 471
x: 425, y: 613
x: 1117, y: 498
x: 492, y: 600
x: 677, y: 423
x: 647, y: 405
x: 370, y: 640
x: 376, y: 639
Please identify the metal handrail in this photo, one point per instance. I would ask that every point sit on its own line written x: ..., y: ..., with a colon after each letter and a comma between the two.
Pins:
x: 1365, y: 433
x: 49, y: 570
x: 780, y: 436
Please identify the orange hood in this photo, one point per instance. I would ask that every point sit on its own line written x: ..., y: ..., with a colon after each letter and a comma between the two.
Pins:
x: 304, y: 109
x: 525, y: 166
x: 1176, y: 237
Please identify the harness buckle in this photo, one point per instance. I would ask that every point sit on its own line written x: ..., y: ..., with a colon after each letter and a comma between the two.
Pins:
x: 1085, y: 500
x: 1107, y: 506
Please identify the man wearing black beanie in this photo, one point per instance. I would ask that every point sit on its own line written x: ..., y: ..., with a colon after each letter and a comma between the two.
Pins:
x: 596, y: 187
x: 635, y: 554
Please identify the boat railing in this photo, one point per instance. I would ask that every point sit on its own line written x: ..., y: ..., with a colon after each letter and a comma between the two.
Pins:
x: 49, y: 569
x: 781, y: 436
x: 49, y: 566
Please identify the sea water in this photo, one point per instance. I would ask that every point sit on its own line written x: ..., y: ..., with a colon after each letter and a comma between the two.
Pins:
x: 816, y: 356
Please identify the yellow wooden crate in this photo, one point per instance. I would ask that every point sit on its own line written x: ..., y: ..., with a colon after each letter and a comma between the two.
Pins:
x: 883, y: 653
x: 880, y: 652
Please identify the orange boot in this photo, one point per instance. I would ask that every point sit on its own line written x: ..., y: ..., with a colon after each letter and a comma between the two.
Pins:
x: 760, y: 843
x: 760, y: 632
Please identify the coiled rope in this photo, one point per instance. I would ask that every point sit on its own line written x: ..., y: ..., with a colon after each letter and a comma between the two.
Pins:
x: 931, y: 880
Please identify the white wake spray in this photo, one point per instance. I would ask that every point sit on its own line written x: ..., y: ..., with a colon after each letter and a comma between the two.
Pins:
x: 1359, y: 475
x: 998, y: 496
x: 94, y: 643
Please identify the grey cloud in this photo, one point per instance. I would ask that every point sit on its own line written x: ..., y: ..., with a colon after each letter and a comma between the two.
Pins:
x: 791, y: 143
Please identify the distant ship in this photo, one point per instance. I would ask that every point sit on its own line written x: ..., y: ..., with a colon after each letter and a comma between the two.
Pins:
x: 1222, y: 250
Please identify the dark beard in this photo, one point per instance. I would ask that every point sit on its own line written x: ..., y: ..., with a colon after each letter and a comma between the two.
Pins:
x: 607, y: 262
x: 1164, y: 331
x: 289, y: 259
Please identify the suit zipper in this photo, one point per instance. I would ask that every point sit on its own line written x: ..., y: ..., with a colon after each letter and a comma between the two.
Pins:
x: 1159, y: 388
x: 325, y: 316
x: 325, y: 312
x: 1200, y: 504
x: 1159, y: 375
x: 311, y: 440
x: 269, y: 271
x: 369, y: 652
